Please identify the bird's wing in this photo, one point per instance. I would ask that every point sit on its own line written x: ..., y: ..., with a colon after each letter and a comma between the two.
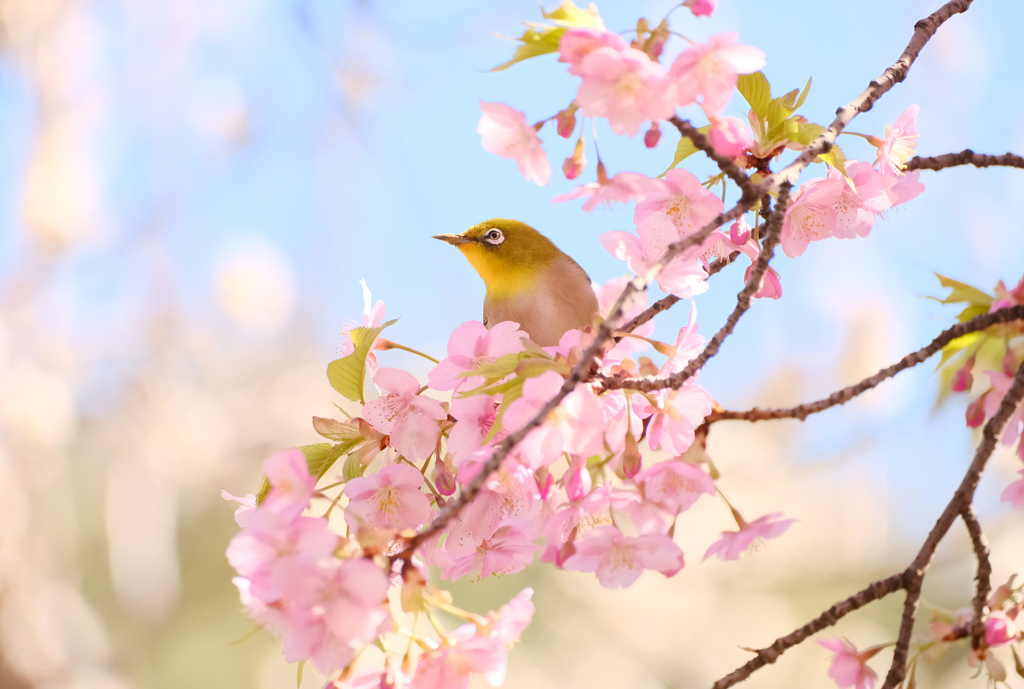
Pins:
x: 485, y: 318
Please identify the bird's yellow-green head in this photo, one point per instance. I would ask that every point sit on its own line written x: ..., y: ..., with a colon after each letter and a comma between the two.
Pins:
x: 508, y: 254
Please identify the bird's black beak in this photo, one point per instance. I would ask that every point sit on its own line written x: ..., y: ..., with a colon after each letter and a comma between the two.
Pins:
x: 453, y: 239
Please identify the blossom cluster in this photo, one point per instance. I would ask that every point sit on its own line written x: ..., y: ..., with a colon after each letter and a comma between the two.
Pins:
x: 849, y: 666
x: 997, y: 354
x: 577, y: 492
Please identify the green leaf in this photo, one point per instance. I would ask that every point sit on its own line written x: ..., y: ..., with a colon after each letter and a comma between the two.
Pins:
x: 497, y: 369
x: 803, y: 96
x: 298, y: 673
x: 534, y: 44
x: 348, y: 373
x: 353, y: 467
x: 541, y: 39
x: 805, y: 133
x: 964, y: 293
x: 835, y: 158
x: 321, y: 456
x: 336, y: 430
x: 789, y: 99
x: 778, y: 112
x: 569, y: 15
x: 685, y: 149
x: 756, y: 90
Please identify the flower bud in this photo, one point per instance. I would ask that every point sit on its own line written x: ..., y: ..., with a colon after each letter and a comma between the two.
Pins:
x: 963, y: 379
x: 975, y: 414
x: 566, y: 120
x: 574, y: 164
x: 999, y: 629
x: 653, y: 136
x: 632, y: 460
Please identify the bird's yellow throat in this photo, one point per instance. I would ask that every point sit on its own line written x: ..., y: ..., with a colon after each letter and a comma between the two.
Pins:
x: 504, y: 278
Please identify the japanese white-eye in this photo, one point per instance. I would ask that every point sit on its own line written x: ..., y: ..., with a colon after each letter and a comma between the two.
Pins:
x: 529, y: 280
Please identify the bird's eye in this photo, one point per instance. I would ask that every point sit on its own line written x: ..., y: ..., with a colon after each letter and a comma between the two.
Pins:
x: 494, y: 236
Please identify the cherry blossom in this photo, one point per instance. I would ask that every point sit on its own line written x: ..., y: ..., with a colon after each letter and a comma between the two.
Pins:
x: 290, y: 481
x: 373, y: 317
x: 579, y: 42
x: 701, y: 8
x: 674, y: 416
x: 470, y: 346
x: 625, y: 86
x: 730, y: 136
x: 732, y: 544
x: 475, y: 416
x: 709, y: 71
x: 575, y: 426
x: 849, y: 668
x: 619, y: 560
x: 1014, y: 493
x: 504, y: 132
x: 674, y: 486
x: 684, y: 277
x: 506, y: 551
x: 812, y: 215
x: 899, y: 144
x: 410, y: 418
x: 470, y: 649
x: 676, y: 208
x: 623, y: 187
x: 388, y: 499
x: 1000, y: 629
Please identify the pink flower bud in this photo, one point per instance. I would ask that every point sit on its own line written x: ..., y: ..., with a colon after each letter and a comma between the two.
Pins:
x: 999, y: 629
x: 566, y: 120
x: 653, y: 136
x: 962, y: 378
x: 976, y: 412
x: 730, y: 136
x: 701, y: 8
x: 574, y: 164
x: 739, y: 232
x: 632, y: 460
x: 444, y: 481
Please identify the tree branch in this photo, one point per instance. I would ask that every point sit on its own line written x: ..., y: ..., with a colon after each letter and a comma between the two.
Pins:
x: 770, y: 654
x: 725, y: 163
x: 667, y: 302
x: 843, y: 396
x: 923, y: 32
x: 983, y: 578
x: 964, y: 157
x: 773, y: 235
x: 962, y: 498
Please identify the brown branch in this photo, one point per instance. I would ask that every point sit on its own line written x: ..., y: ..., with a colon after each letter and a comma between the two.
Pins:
x: 843, y: 396
x: 725, y: 163
x: 962, y: 498
x: 773, y: 235
x: 964, y: 157
x: 983, y: 578
x: 923, y: 32
x: 770, y: 654
x: 667, y: 302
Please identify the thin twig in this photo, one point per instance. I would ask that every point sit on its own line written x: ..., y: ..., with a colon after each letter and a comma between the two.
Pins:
x: 773, y: 235
x: 964, y: 157
x: 770, y: 654
x: 667, y: 302
x: 983, y: 577
x: 725, y: 163
x: 923, y: 32
x: 802, y: 411
x: 963, y: 497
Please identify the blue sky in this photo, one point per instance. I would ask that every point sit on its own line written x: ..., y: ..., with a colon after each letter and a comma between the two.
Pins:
x: 359, y: 142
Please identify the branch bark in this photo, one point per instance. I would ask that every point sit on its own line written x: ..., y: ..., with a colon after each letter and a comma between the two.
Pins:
x: 964, y: 157
x: 802, y: 411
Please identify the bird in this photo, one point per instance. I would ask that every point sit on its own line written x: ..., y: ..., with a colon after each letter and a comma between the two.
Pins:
x: 529, y: 280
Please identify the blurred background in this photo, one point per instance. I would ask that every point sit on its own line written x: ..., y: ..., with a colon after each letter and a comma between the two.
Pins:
x: 190, y: 192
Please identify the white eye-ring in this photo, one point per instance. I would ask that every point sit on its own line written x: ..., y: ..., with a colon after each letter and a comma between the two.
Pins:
x: 494, y: 236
